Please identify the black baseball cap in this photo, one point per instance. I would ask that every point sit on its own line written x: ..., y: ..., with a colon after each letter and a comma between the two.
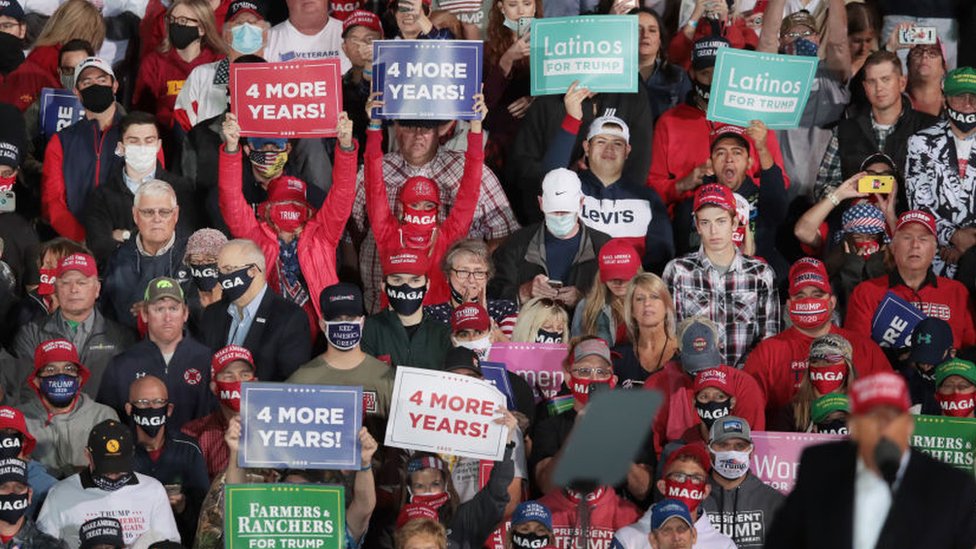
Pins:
x: 13, y: 469
x: 931, y: 340
x: 705, y: 51
x: 342, y: 299
x: 462, y: 358
x: 101, y: 531
x: 111, y: 447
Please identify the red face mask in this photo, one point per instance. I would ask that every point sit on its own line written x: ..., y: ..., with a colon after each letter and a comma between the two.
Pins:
x: 7, y: 183
x: 827, y: 379
x: 581, y: 387
x: 229, y: 394
x: 686, y: 492
x: 956, y: 404
x: 433, y: 501
x: 46, y: 286
x: 810, y: 312
x: 865, y: 249
x: 288, y: 217
x: 418, y: 227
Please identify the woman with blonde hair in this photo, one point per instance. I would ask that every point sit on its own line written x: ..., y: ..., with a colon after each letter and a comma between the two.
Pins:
x: 74, y: 19
x: 191, y: 40
x: 541, y: 320
x: 651, y: 326
x: 601, y: 312
x: 830, y: 370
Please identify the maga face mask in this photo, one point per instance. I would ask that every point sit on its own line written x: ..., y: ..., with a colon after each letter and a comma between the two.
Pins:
x: 204, y: 276
x: 965, y: 122
x: 404, y: 299
x: 229, y: 394
x: 46, y: 286
x: 686, y: 492
x: 150, y: 420
x: 545, y: 336
x: 956, y: 404
x: 710, y: 411
x: 235, y: 284
x: 827, y: 379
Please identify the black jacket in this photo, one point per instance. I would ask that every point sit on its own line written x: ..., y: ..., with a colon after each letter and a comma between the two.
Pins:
x: 932, y: 508
x: 129, y: 273
x: 856, y: 139
x: 279, y: 336
x: 523, y: 256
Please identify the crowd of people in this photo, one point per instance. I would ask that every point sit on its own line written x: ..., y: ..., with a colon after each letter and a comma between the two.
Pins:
x: 154, y: 259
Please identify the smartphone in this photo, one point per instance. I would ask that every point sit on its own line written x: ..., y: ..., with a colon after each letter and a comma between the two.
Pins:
x: 555, y: 284
x: 8, y: 201
x: 173, y: 489
x: 882, y: 184
x: 524, y: 24
x: 917, y: 35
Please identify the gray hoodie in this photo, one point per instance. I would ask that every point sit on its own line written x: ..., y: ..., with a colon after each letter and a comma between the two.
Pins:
x: 744, y: 513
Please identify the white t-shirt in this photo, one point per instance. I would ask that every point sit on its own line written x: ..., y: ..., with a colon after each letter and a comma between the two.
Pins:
x: 285, y: 43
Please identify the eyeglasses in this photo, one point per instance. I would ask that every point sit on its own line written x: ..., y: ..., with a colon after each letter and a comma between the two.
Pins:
x: 7, y: 27
x: 227, y: 269
x: 799, y: 34
x: 52, y: 370
x: 150, y: 403
x: 682, y: 477
x: 150, y: 213
x: 477, y: 275
x: 185, y: 21
x: 598, y: 372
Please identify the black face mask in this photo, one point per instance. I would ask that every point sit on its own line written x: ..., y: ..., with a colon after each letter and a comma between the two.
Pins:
x: 965, y: 122
x: 11, y: 52
x: 710, y: 411
x: 13, y: 506
x: 458, y: 298
x: 150, y: 420
x: 109, y: 485
x: 835, y: 427
x: 545, y: 336
x: 97, y: 99
x: 404, y: 299
x: 530, y: 540
x: 10, y: 446
x: 182, y: 36
x: 204, y: 276
x: 703, y: 90
x: 235, y: 284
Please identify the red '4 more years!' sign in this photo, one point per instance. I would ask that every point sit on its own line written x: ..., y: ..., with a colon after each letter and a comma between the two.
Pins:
x: 292, y: 99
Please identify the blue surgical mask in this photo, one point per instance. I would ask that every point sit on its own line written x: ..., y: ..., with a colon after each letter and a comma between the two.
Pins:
x: 804, y: 47
x: 60, y: 389
x: 343, y: 335
x: 247, y: 38
x: 560, y: 225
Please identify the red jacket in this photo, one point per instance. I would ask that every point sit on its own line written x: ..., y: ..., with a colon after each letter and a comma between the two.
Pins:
x: 677, y: 418
x: 779, y: 363
x: 682, y: 141
x: 386, y: 227
x: 608, y: 513
x: 319, y: 238
x: 40, y: 70
x: 161, y: 76
x: 938, y: 297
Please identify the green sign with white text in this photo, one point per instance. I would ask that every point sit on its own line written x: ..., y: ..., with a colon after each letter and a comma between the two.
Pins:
x: 284, y: 516
x: 748, y: 85
x: 598, y: 50
x: 948, y: 439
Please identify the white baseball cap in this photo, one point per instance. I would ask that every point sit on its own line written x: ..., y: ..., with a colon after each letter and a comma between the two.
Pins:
x: 96, y: 62
x: 618, y: 128
x: 561, y: 191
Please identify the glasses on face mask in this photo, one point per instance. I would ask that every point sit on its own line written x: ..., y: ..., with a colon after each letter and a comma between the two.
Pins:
x: 465, y: 275
x: 593, y: 372
x: 150, y: 403
x: 682, y: 477
x: 799, y: 34
x: 52, y: 370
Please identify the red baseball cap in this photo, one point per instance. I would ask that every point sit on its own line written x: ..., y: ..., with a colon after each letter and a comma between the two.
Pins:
x: 618, y: 261
x: 357, y: 18
x: 694, y: 450
x: 470, y: 316
x: 419, y: 188
x: 713, y: 377
x: 921, y: 217
x: 287, y: 189
x: 83, y: 263
x: 55, y: 350
x: 734, y: 132
x: 12, y: 418
x: 228, y: 354
x: 808, y: 271
x: 405, y: 262
x: 883, y: 389
x: 413, y: 511
x: 715, y: 194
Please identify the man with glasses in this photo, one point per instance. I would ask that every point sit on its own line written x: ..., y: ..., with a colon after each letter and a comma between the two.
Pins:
x: 155, y: 250
x: 77, y: 320
x: 252, y: 315
x: 168, y: 353
x: 61, y: 415
x: 12, y: 32
x: 166, y: 454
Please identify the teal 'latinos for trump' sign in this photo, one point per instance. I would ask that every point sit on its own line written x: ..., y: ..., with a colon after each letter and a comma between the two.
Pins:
x: 748, y: 85
x: 598, y: 50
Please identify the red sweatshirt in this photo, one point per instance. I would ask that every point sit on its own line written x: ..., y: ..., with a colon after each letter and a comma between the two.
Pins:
x: 386, y: 227
x: 161, y: 77
x: 40, y: 70
x: 608, y: 513
x: 682, y: 141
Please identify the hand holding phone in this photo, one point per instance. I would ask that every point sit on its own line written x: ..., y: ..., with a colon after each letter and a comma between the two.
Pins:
x: 882, y: 184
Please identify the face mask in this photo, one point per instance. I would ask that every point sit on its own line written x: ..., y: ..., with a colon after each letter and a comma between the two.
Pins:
x: 12, y: 507
x: 703, y: 90
x: 67, y: 81
x: 229, y: 394
x: 235, y: 284
x: 827, y: 379
x: 560, y: 225
x: 10, y: 446
x: 46, y: 286
x: 109, y: 485
x: 530, y: 540
x: 60, y: 389
x: 11, y: 52
x: 288, y: 217
x: 204, y: 276
x: 809, y: 312
x: 731, y: 464
x: 965, y: 122
x: 956, y: 404
x: 404, y: 299
x: 433, y: 501
x: 182, y: 36
x: 710, y: 411
x: 343, y: 335
x: 247, y: 38
x: 835, y: 427
x: 865, y: 249
x: 97, y: 99
x: 458, y: 298
x: 512, y: 25
x: 686, y: 492
x: 268, y: 164
x: 7, y: 183
x: 545, y: 336
x: 480, y: 346
x: 150, y: 420
x: 418, y: 227
x: 141, y: 158
x: 804, y: 47
x: 583, y: 388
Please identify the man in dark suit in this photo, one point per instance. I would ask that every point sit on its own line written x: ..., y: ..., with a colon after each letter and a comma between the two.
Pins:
x: 876, y: 492
x: 252, y: 315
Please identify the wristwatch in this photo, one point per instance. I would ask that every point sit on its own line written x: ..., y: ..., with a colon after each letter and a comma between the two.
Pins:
x: 126, y: 235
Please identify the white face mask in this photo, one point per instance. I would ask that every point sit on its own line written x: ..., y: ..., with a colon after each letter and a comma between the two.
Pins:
x: 141, y: 158
x: 480, y: 346
x: 731, y: 464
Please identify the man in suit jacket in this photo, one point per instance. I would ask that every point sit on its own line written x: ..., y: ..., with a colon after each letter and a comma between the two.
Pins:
x: 875, y: 491
x: 253, y: 316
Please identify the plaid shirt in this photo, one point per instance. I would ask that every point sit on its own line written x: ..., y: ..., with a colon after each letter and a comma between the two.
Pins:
x: 744, y: 302
x: 492, y: 219
x: 208, y: 431
x: 830, y: 175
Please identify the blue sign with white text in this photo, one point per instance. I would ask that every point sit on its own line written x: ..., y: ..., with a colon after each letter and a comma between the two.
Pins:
x: 427, y: 79
x: 59, y: 109
x: 894, y: 321
x: 497, y: 374
x: 286, y: 425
